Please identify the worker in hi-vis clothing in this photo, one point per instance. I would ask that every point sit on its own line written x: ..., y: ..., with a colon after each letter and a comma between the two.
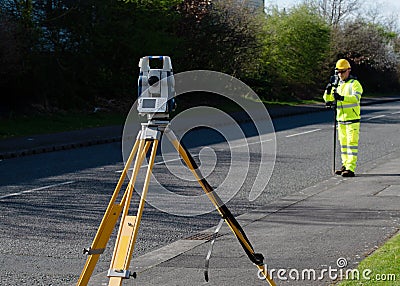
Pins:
x: 347, y: 95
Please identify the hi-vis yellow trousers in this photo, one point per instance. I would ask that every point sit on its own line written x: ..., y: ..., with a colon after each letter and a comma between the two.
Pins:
x: 348, y: 137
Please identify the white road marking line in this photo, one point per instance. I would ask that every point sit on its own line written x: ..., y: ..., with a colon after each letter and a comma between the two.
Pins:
x: 302, y: 133
x: 374, y: 117
x: 248, y: 144
x: 36, y: 189
x: 397, y: 112
x: 196, y: 155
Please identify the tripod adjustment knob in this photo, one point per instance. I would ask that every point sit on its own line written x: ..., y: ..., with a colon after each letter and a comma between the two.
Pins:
x: 90, y: 251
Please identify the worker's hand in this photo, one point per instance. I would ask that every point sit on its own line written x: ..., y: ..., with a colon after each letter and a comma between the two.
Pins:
x: 328, y: 88
x: 337, y: 96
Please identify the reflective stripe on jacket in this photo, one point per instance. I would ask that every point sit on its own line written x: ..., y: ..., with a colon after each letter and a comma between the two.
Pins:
x: 349, y: 108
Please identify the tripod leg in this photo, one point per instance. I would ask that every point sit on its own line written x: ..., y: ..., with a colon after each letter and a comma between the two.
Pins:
x: 106, y: 226
x: 129, y: 227
x: 126, y: 221
x: 223, y: 210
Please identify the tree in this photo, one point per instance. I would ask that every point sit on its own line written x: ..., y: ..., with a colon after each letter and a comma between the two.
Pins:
x: 220, y: 35
x: 10, y: 57
x: 374, y: 51
x: 296, y: 47
x: 72, y: 52
x: 18, y: 38
x: 336, y: 11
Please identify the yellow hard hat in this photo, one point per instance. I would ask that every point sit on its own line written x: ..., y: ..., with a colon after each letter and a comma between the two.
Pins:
x: 342, y: 64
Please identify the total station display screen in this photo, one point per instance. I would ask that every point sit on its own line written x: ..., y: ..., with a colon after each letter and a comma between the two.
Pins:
x: 149, y: 103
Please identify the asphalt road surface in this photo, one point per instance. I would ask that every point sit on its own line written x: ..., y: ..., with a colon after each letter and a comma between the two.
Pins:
x: 51, y: 204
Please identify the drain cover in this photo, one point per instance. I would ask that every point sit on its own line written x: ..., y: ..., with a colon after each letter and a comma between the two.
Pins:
x: 202, y: 236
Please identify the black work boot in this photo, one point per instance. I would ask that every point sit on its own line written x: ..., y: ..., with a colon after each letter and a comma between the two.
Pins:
x: 339, y: 172
x: 348, y: 173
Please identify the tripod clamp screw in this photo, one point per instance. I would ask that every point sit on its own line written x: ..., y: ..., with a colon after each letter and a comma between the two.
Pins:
x: 90, y: 251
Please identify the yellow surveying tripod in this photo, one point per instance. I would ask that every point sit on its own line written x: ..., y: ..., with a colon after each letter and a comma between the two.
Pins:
x: 148, y: 138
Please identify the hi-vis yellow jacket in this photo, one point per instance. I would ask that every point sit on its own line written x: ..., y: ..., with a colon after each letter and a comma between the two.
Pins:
x: 348, y: 110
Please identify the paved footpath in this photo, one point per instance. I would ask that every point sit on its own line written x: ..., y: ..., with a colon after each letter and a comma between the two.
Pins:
x: 315, y: 234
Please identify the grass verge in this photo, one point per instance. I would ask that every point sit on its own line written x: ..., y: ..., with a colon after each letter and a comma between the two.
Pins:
x: 380, y: 268
x: 17, y: 126
x: 44, y: 124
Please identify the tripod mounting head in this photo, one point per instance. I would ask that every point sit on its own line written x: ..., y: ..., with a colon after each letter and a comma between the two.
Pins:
x: 156, y: 88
